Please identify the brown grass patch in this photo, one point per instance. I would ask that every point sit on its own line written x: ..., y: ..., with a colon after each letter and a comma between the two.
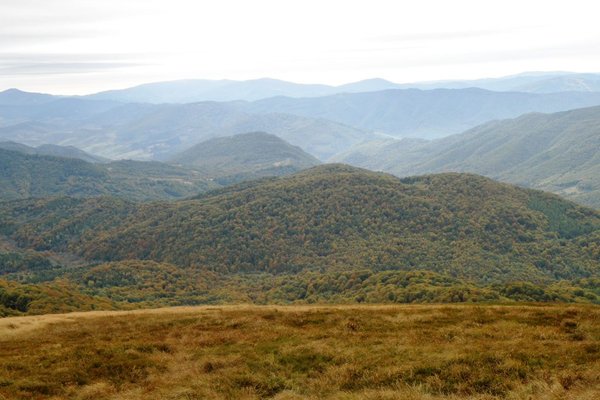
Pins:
x: 346, y: 352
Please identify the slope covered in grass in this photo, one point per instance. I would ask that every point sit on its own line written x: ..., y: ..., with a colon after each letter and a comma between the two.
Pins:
x: 394, y: 352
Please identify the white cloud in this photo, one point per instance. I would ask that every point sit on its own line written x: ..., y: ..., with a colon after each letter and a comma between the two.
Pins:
x: 130, y: 42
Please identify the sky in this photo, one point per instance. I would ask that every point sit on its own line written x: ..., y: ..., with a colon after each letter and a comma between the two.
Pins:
x: 86, y: 46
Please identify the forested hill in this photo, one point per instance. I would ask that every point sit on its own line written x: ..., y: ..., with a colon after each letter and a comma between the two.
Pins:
x: 247, y: 155
x: 31, y: 175
x: 331, y: 218
x: 53, y: 150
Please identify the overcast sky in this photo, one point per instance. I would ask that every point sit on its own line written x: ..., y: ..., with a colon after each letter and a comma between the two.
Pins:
x: 84, y: 46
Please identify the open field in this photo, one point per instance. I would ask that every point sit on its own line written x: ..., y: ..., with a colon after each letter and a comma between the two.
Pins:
x: 349, y: 352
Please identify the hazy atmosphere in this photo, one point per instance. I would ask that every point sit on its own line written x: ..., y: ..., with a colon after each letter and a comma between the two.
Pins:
x: 84, y: 46
x: 289, y: 200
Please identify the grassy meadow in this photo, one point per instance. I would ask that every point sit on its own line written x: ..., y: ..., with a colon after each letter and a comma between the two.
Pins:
x: 312, y: 352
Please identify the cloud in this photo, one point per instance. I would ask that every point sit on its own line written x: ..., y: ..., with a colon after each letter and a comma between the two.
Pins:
x: 566, y: 50
x: 127, y: 42
x: 13, y: 39
x: 43, y: 22
x: 62, y: 68
x: 434, y: 36
x: 52, y: 64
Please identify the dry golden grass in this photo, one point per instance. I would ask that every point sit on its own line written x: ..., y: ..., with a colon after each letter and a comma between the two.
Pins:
x: 299, y: 352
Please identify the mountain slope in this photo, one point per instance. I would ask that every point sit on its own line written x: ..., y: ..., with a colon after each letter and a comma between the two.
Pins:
x: 553, y: 152
x: 332, y: 218
x: 53, y: 109
x: 256, y: 153
x: 16, y: 97
x: 70, y: 152
x: 53, y: 150
x: 423, y: 113
x: 24, y: 176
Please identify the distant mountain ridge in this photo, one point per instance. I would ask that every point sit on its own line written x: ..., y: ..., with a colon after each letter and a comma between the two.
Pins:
x: 16, y: 97
x: 528, y: 82
x: 422, y: 113
x: 194, y: 90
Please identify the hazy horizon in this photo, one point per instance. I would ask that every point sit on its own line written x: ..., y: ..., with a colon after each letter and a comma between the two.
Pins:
x: 524, y: 73
x: 82, y: 47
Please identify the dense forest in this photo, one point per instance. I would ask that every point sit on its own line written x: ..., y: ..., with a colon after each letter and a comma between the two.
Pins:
x: 331, y: 233
x: 33, y: 175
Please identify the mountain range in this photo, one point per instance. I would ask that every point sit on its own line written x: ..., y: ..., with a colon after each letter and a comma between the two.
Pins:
x: 322, y: 126
x: 195, y: 90
x: 553, y: 152
x: 529, y: 82
x: 146, y: 131
x: 423, y: 113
